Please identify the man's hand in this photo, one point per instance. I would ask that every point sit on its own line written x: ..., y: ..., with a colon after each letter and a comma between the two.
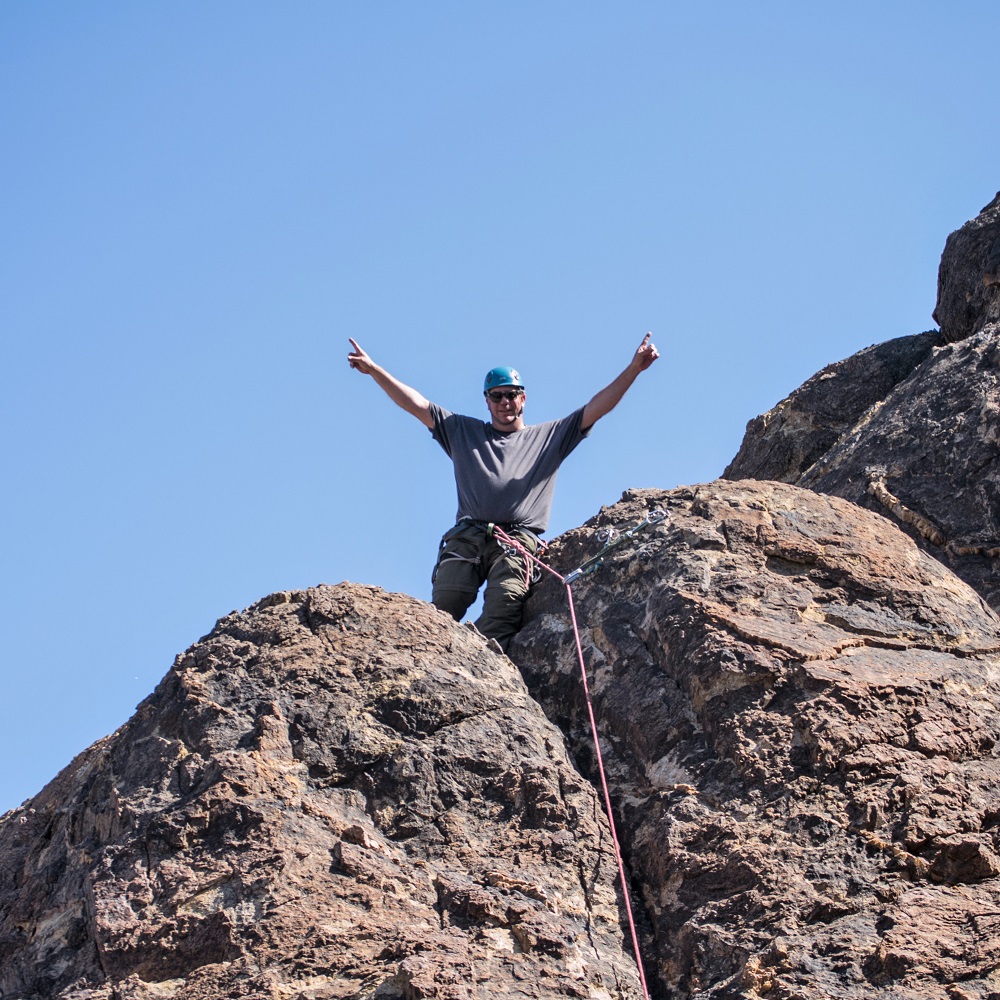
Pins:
x: 607, y: 399
x: 358, y: 360
x: 645, y: 355
x: 400, y: 393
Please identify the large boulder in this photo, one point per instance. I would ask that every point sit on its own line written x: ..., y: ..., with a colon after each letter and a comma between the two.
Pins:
x: 337, y: 793
x: 341, y: 793
x: 799, y: 712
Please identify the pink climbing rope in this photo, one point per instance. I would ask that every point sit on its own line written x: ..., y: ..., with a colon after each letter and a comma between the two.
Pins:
x: 506, y: 540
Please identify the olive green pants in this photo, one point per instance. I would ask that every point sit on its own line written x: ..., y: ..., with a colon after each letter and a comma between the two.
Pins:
x: 467, y: 558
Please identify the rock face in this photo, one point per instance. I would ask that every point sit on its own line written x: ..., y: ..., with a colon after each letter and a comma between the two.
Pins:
x: 910, y: 428
x: 787, y: 440
x: 339, y: 793
x: 799, y: 712
x: 969, y: 276
x: 927, y: 457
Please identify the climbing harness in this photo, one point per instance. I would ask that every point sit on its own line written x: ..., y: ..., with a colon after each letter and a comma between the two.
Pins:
x: 532, y: 574
x: 532, y: 565
x: 612, y: 539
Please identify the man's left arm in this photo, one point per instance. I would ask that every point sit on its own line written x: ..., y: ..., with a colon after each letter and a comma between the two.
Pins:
x: 609, y: 397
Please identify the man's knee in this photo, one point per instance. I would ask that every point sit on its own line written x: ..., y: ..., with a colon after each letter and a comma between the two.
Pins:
x: 455, y: 602
x: 503, y: 609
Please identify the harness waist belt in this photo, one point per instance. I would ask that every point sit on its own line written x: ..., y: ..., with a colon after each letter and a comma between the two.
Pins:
x: 505, y: 525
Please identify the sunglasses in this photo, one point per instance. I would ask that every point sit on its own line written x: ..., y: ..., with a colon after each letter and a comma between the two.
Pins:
x: 499, y: 397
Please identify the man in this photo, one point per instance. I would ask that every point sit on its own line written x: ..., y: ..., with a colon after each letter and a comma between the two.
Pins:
x: 505, y: 471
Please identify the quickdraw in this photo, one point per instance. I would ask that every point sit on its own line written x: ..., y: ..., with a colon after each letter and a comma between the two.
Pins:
x: 612, y: 539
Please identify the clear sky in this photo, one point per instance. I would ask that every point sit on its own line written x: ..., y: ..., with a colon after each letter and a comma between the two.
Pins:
x: 202, y: 201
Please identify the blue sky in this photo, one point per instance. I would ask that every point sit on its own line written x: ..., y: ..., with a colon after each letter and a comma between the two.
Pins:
x: 201, y: 202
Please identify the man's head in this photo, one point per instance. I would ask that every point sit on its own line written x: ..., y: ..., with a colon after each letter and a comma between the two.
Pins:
x: 505, y: 397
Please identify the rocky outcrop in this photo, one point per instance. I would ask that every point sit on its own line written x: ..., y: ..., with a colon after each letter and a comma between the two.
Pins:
x: 969, y: 276
x: 787, y: 440
x: 910, y: 428
x: 341, y: 793
x: 338, y: 793
x: 799, y: 710
x: 928, y: 458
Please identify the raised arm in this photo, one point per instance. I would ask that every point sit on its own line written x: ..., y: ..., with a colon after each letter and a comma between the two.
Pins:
x: 409, y: 399
x: 608, y: 398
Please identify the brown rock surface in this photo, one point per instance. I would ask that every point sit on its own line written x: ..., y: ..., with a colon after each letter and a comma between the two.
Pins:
x: 341, y: 793
x: 799, y: 710
x: 910, y: 428
x: 337, y: 793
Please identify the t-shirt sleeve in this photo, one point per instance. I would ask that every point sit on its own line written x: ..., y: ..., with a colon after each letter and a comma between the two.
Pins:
x: 440, y: 431
x: 570, y: 432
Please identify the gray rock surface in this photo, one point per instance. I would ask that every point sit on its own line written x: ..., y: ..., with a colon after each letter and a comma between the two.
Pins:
x: 969, y: 276
x: 799, y: 710
x: 338, y: 793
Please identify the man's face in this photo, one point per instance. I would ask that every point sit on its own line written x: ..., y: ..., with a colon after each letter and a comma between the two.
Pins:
x: 506, y: 405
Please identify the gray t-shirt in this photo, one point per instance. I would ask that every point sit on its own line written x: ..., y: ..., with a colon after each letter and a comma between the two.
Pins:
x: 506, y: 478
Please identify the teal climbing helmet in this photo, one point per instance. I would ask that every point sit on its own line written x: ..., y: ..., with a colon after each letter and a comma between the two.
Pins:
x: 497, y: 377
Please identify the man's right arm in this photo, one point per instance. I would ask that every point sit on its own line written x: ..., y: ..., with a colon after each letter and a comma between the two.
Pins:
x: 403, y: 395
